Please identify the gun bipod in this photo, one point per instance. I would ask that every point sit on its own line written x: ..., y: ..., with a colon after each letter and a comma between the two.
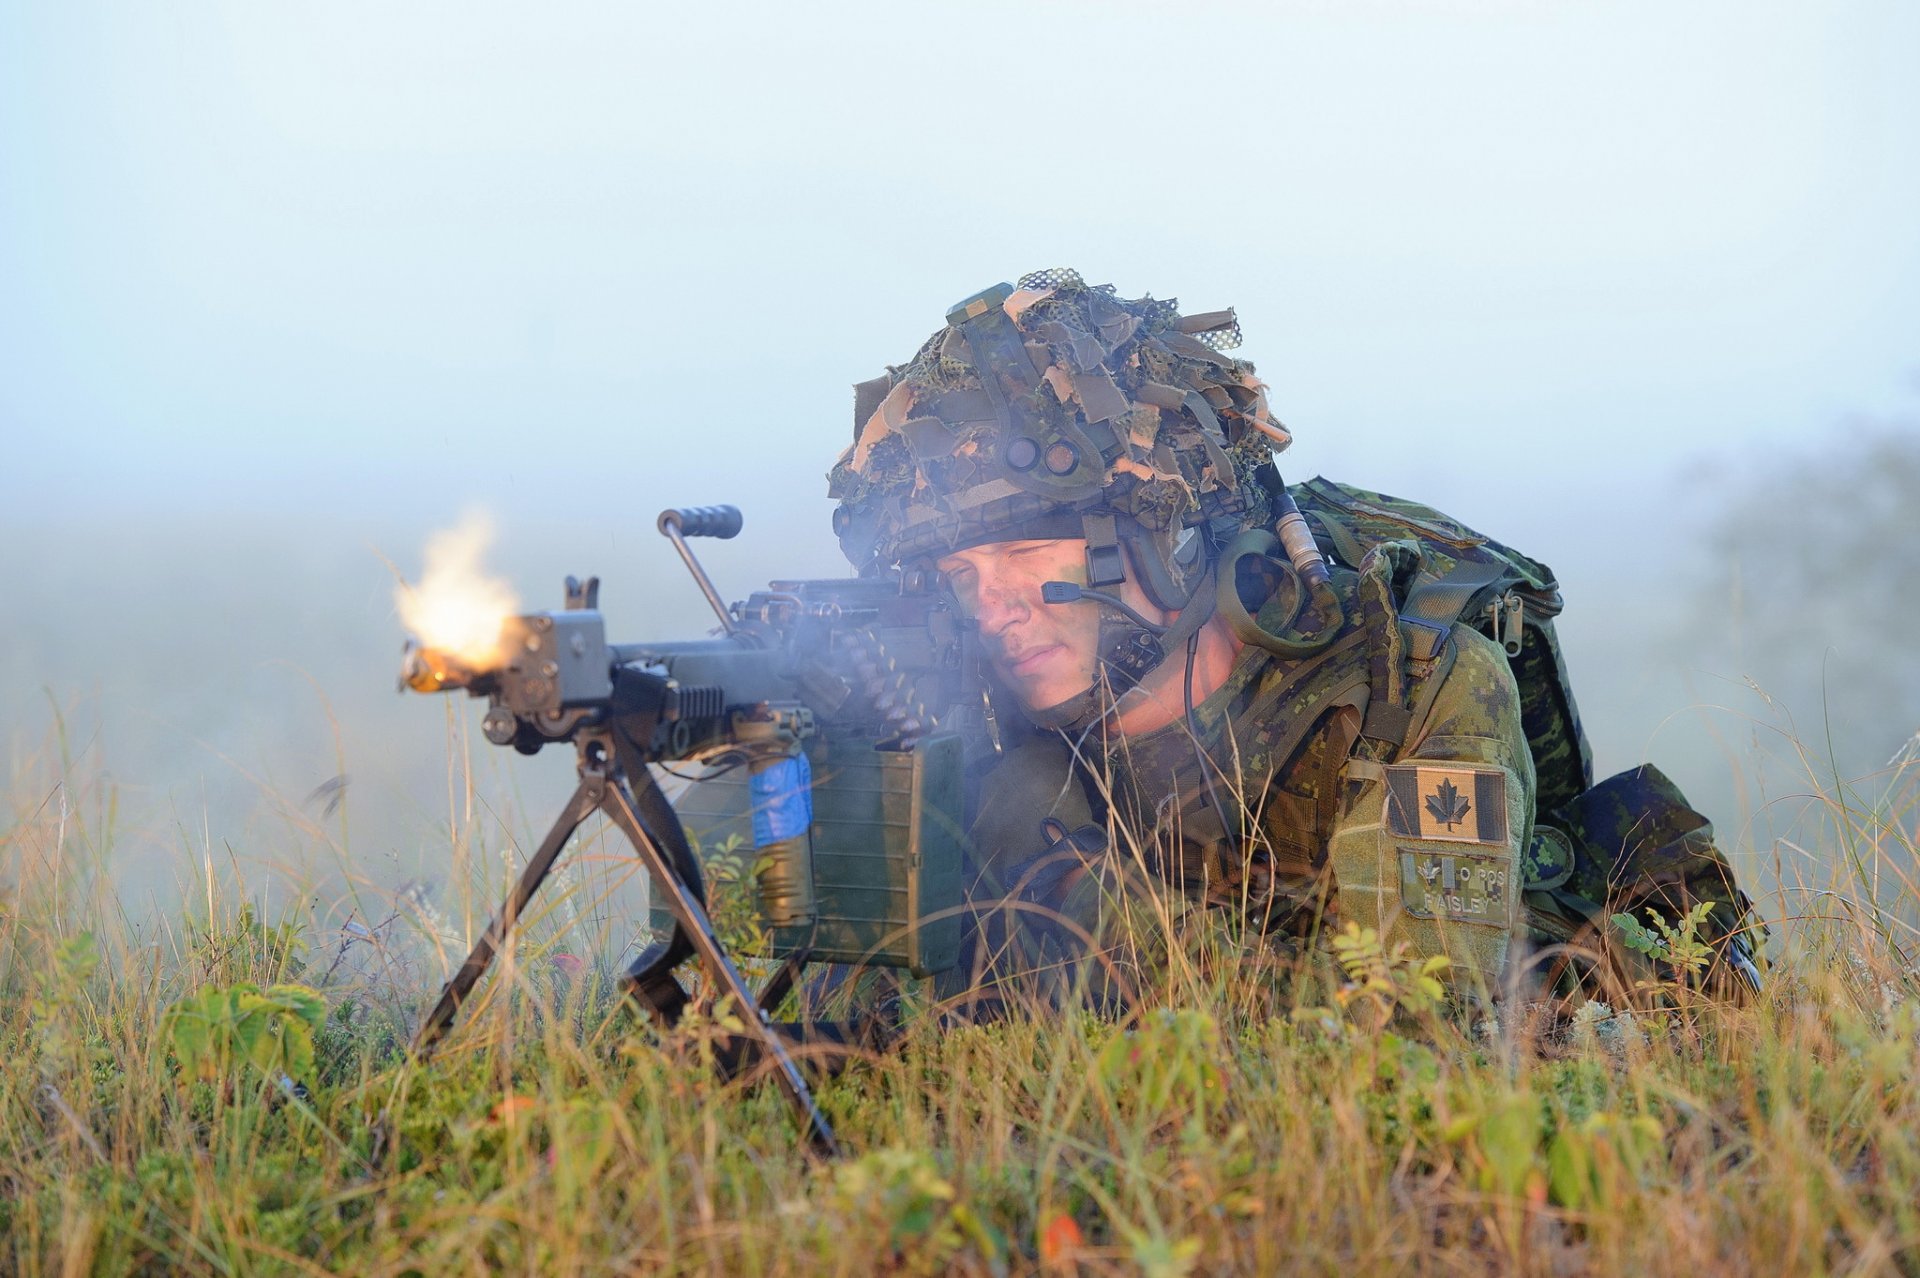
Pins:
x: 828, y: 1046
x: 651, y: 983
x: 613, y: 780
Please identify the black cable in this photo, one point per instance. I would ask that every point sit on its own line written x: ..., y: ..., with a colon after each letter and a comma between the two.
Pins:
x: 729, y: 763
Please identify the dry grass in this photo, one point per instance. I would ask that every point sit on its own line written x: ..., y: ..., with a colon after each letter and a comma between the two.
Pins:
x: 1219, y: 1133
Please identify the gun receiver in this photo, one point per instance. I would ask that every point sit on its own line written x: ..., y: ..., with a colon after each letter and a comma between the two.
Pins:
x: 854, y: 706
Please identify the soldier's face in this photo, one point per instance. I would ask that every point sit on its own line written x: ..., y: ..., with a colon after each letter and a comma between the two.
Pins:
x: 1046, y: 653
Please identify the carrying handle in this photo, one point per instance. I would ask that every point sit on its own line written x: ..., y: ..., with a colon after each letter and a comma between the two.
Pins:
x: 678, y: 524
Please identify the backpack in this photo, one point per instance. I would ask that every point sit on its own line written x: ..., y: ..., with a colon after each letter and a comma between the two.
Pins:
x: 1626, y: 845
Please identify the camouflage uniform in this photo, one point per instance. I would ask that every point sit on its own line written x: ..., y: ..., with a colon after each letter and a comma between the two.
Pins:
x: 1410, y: 760
x: 1420, y: 840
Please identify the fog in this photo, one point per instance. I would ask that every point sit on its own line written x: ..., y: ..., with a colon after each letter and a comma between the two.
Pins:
x: 285, y: 288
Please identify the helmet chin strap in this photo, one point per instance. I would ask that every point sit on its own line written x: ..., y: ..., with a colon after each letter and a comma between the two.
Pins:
x: 1131, y: 647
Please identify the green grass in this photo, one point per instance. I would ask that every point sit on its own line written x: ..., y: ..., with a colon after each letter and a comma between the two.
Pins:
x: 143, y: 1128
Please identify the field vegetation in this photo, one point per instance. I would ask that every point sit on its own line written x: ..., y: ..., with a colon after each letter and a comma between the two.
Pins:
x: 225, y: 1090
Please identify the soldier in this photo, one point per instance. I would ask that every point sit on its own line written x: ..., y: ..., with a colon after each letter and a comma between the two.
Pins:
x: 1297, y: 706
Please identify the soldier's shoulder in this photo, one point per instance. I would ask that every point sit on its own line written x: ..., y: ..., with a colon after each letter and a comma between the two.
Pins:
x: 1478, y: 695
x: 1479, y: 661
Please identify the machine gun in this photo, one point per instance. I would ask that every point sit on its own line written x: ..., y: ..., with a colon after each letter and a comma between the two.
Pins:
x: 855, y: 708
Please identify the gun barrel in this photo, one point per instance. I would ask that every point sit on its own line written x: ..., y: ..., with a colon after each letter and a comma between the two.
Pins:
x: 426, y: 669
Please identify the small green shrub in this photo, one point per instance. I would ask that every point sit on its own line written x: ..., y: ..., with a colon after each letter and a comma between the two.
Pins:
x: 215, y: 1031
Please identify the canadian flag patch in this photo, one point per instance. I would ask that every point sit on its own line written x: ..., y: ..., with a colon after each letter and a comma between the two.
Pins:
x: 1447, y: 802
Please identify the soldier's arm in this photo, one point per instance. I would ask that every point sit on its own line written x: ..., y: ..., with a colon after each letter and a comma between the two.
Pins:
x: 1426, y: 849
x: 1019, y: 879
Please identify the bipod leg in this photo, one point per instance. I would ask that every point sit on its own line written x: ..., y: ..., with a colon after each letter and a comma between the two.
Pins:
x: 650, y: 982
x: 590, y: 794
x: 623, y: 809
x: 780, y: 984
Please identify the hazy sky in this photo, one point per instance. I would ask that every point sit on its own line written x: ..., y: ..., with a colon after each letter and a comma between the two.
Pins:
x: 342, y: 257
x: 279, y: 282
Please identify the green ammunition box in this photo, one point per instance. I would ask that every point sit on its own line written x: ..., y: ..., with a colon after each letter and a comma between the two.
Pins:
x: 886, y: 839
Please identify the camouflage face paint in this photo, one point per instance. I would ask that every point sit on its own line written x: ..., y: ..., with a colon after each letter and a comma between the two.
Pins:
x: 1046, y: 653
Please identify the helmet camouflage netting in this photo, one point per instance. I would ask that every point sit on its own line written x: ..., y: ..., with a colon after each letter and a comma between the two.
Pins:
x: 1098, y: 416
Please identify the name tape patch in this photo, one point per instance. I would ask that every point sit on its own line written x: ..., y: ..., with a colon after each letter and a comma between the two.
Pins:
x: 1447, y: 802
x: 1461, y: 887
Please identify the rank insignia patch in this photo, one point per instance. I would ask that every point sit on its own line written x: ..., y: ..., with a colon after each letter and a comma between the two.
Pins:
x: 1456, y: 804
x: 1464, y: 887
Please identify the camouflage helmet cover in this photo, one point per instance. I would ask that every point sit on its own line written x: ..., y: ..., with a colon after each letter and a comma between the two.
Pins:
x: 1095, y: 411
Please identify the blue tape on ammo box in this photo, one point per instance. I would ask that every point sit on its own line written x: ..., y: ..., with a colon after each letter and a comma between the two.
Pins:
x: 782, y: 800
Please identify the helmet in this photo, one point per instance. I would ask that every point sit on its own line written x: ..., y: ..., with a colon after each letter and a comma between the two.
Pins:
x: 1053, y: 409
